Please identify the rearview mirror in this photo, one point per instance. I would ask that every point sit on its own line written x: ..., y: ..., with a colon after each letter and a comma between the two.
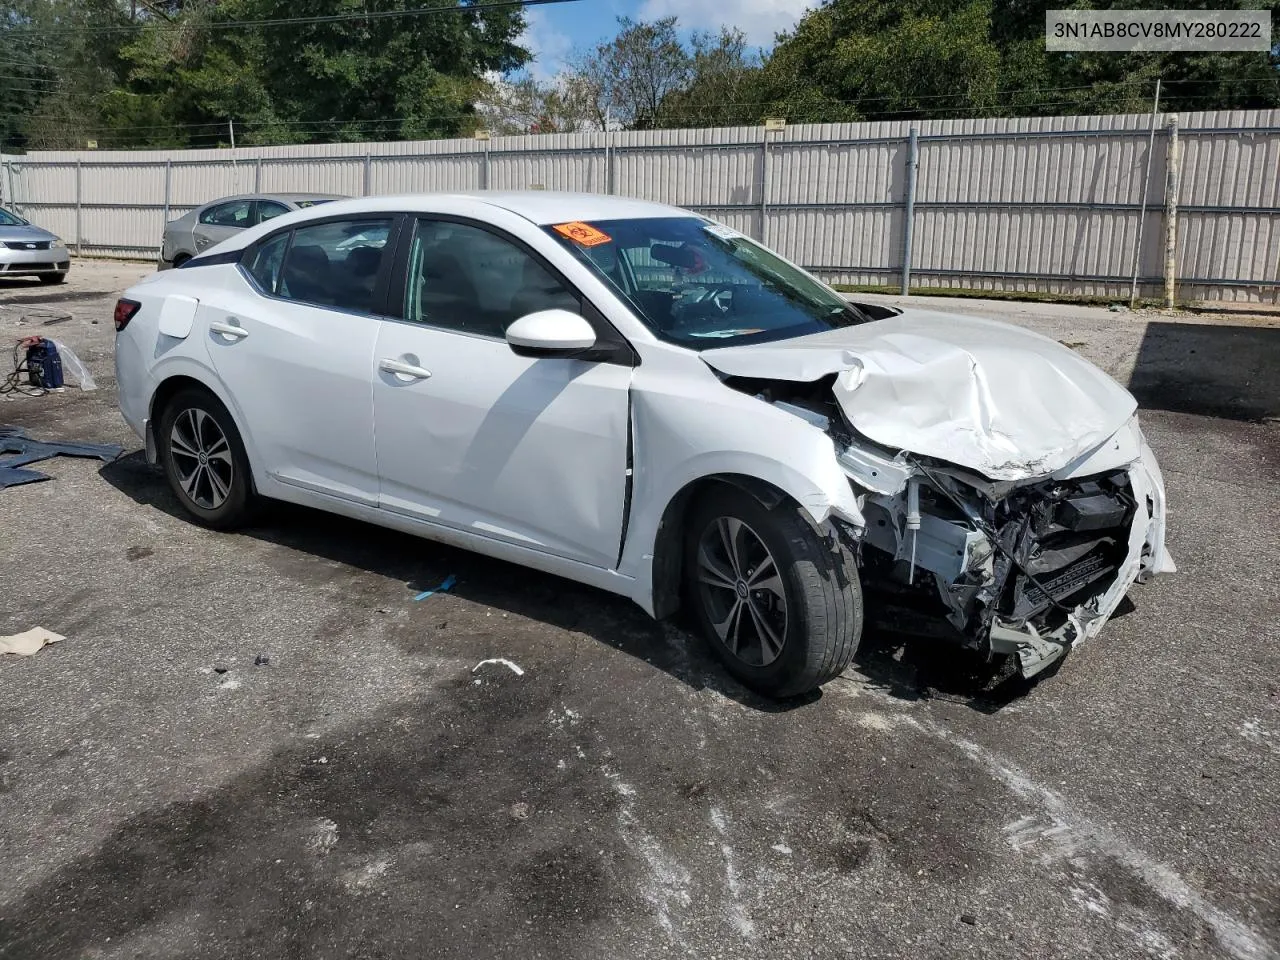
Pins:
x: 550, y: 333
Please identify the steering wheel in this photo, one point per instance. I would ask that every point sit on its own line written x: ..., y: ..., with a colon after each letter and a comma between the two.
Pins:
x: 718, y: 295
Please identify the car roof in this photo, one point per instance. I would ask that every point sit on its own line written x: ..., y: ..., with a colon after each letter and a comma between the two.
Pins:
x: 285, y: 197
x: 545, y: 207
x: 542, y: 207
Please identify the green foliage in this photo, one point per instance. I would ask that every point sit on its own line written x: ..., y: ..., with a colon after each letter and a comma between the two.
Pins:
x: 893, y: 59
x: 172, y: 73
x: 179, y: 72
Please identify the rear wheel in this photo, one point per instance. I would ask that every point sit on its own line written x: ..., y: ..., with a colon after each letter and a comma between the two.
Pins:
x: 180, y: 259
x: 204, y: 459
x: 780, y: 604
x: 50, y: 278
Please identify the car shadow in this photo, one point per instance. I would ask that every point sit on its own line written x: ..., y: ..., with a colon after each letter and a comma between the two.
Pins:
x: 1215, y: 370
x: 906, y: 667
x: 520, y: 591
x: 49, y: 294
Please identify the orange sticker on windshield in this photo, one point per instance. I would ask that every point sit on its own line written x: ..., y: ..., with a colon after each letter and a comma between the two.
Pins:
x: 582, y: 233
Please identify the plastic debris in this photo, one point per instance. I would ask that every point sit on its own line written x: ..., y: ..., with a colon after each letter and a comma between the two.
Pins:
x: 444, y: 587
x: 29, y: 642
x: 27, y: 451
x: 501, y: 661
x: 261, y: 660
x: 74, y: 365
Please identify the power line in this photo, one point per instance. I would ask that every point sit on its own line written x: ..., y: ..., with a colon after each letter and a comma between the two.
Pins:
x: 479, y: 6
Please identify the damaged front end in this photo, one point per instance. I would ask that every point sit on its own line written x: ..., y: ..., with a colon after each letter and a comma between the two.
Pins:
x: 1008, y: 499
x: 1020, y: 569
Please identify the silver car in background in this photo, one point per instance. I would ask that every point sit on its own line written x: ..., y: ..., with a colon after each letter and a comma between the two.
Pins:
x: 220, y: 219
x: 30, y: 251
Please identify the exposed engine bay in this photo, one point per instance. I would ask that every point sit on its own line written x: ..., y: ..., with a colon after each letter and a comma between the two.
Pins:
x: 1023, y: 568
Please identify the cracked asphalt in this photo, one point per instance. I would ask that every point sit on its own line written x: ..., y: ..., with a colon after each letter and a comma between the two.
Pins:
x: 369, y: 792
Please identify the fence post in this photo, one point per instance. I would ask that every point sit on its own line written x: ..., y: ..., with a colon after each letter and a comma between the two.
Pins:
x: 1171, y: 215
x: 764, y: 189
x: 168, y: 195
x: 79, y: 240
x: 367, y: 186
x: 484, y: 169
x: 909, y: 222
x: 257, y: 175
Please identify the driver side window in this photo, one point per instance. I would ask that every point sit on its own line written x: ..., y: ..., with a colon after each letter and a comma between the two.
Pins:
x: 467, y: 279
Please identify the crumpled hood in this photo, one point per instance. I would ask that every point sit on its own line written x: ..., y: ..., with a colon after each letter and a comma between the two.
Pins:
x: 995, y: 398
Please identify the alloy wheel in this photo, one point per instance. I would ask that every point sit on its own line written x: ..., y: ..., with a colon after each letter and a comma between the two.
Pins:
x: 742, y: 591
x: 201, y: 458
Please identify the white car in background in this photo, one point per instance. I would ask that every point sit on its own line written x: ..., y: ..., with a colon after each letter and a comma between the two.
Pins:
x: 635, y: 397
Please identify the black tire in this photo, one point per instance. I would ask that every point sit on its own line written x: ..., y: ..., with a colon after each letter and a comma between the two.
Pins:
x: 52, y: 278
x: 189, y: 408
x: 180, y: 259
x: 819, y: 579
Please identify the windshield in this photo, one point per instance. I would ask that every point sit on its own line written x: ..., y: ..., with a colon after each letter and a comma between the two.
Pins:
x: 8, y: 219
x: 702, y: 285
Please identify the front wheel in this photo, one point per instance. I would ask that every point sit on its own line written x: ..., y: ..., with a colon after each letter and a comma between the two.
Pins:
x: 204, y: 460
x: 780, y: 604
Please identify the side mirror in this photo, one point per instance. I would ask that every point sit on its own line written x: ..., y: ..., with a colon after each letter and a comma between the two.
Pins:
x: 550, y: 333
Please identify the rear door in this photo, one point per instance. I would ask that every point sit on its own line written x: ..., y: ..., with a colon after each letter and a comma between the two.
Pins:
x: 529, y: 451
x: 294, y: 345
x: 222, y: 221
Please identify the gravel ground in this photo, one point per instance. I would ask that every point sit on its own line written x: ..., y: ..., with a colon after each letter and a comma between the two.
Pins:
x: 371, y: 792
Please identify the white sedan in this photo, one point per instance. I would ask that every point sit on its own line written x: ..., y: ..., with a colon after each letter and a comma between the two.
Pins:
x: 636, y: 397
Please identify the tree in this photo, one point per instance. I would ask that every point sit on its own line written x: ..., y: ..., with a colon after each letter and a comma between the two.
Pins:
x: 723, y: 84
x: 174, y: 72
x: 628, y: 78
x: 895, y: 59
x: 523, y: 105
x: 854, y: 59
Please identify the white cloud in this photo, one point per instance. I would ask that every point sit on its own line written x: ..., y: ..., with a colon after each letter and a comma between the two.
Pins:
x: 548, y: 45
x: 760, y: 20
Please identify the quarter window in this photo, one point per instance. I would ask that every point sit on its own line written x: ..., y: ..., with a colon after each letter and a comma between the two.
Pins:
x: 266, y: 263
x: 335, y: 264
x: 473, y: 281
x: 235, y: 213
x: 267, y: 209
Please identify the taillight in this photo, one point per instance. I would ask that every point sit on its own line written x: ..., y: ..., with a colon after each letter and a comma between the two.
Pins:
x: 125, y: 309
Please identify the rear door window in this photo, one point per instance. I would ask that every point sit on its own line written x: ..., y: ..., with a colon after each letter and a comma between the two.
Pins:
x: 336, y: 264
x: 234, y: 213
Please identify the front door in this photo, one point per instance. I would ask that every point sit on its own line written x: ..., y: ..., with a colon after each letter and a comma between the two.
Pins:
x: 529, y: 451
x: 295, y: 349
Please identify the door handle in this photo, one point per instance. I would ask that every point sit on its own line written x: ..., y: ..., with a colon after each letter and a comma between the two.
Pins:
x: 229, y: 330
x: 405, y: 370
x: 201, y: 243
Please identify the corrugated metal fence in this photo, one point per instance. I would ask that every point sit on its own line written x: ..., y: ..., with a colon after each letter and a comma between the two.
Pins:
x: 1044, y: 204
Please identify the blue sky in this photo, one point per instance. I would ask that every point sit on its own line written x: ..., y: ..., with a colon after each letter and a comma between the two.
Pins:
x: 556, y: 30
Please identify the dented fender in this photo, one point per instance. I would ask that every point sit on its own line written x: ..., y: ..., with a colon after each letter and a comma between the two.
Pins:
x: 683, y: 436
